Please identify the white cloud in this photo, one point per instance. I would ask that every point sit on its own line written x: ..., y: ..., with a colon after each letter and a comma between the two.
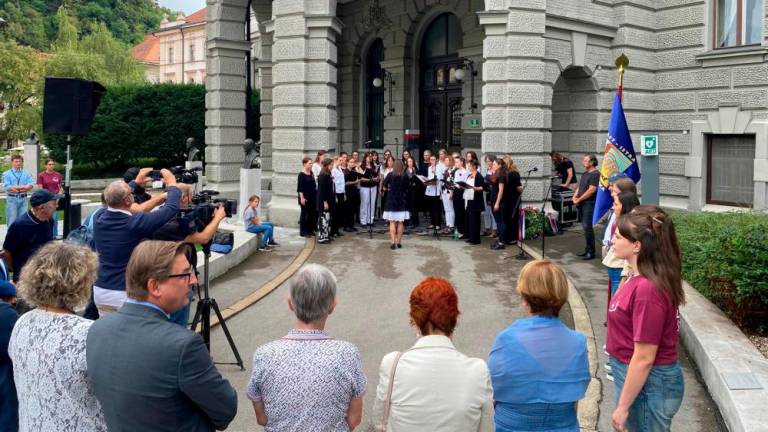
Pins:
x: 186, y: 6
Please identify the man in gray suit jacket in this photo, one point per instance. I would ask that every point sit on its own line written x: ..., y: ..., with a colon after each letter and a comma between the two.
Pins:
x: 148, y: 373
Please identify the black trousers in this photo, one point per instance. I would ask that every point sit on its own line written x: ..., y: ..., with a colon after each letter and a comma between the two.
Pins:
x: 307, y: 219
x: 435, y: 206
x: 351, y: 211
x: 459, y: 212
x: 511, y: 222
x: 337, y: 213
x: 587, y: 209
x: 413, y: 209
x: 473, y: 225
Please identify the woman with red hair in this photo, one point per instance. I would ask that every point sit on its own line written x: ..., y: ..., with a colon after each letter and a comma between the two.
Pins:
x: 433, y: 386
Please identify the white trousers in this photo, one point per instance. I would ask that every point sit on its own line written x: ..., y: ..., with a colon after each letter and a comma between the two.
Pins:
x: 367, y: 204
x: 450, y: 216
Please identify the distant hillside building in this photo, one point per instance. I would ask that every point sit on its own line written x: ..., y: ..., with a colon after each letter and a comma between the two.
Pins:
x: 148, y: 54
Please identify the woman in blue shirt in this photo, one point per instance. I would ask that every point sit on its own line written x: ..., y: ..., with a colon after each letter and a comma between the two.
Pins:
x: 539, y: 367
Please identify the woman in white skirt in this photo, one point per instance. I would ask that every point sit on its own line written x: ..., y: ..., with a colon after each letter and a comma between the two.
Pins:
x: 396, y: 207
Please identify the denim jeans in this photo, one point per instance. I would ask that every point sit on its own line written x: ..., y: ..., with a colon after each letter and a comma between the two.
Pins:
x: 264, y: 227
x: 587, y: 209
x: 614, y: 276
x: 14, y: 207
x: 556, y: 417
x: 658, y: 400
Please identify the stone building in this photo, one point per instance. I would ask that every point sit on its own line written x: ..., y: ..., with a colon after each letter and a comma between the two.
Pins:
x: 545, y: 79
x: 147, y: 53
x: 182, y: 49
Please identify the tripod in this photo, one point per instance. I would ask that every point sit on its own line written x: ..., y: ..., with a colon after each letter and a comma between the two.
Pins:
x: 203, y: 313
x: 523, y: 255
x: 544, y: 218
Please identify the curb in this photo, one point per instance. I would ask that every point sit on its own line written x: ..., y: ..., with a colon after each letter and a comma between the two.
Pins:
x: 719, y: 347
x: 268, y: 287
x: 589, y: 407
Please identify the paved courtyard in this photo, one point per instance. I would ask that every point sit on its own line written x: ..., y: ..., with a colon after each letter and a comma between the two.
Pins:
x: 372, y: 311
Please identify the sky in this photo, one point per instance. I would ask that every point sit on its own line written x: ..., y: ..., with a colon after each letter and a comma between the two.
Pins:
x: 186, y: 6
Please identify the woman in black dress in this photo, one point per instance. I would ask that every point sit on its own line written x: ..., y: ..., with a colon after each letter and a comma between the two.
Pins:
x: 498, y: 185
x: 325, y: 201
x: 512, y: 209
x: 411, y: 171
x: 352, y: 190
x: 307, y: 194
x: 396, y: 209
x: 475, y: 202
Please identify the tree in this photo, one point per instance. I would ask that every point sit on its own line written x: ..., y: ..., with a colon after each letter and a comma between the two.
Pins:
x: 20, y: 90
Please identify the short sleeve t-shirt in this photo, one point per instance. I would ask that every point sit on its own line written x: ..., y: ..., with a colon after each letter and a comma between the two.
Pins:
x: 495, y: 186
x: 589, y: 179
x: 50, y: 181
x: 248, y: 215
x: 562, y: 170
x: 639, y: 312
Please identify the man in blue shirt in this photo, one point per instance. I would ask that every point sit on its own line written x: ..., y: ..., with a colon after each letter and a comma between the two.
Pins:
x: 117, y: 231
x: 30, y: 231
x: 16, y: 183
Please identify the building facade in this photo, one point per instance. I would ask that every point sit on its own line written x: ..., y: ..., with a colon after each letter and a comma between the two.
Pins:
x: 182, y: 49
x: 523, y: 77
x: 147, y: 53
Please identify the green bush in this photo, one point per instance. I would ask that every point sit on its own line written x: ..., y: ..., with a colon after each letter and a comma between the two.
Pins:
x: 141, y: 121
x: 725, y: 257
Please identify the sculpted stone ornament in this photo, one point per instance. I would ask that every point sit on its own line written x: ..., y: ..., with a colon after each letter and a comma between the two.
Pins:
x: 252, y: 153
x: 192, y: 151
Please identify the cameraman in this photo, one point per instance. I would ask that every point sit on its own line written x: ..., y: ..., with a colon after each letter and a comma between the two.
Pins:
x: 117, y: 231
x: 183, y: 228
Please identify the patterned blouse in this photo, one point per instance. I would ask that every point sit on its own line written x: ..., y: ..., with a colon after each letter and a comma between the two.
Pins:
x: 48, y: 354
x: 306, y: 381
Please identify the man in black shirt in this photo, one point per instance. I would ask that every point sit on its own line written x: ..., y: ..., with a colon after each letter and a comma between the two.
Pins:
x: 584, y: 198
x: 30, y: 231
x: 182, y: 228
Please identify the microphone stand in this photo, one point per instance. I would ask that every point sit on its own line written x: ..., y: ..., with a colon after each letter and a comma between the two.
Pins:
x: 523, y: 255
x: 544, y: 218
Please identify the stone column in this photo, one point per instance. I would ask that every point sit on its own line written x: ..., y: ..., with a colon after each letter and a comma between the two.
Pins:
x: 517, y: 93
x: 263, y: 67
x: 225, y: 94
x: 304, y: 78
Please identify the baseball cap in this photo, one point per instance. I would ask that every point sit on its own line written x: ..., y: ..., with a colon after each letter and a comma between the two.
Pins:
x: 130, y: 174
x: 7, y: 289
x: 42, y: 196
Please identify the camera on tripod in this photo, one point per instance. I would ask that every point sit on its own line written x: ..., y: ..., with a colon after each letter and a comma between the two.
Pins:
x: 203, y: 207
x: 186, y: 176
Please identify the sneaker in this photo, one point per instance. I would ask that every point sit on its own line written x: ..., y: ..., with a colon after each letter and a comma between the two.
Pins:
x: 399, y: 246
x: 609, y: 377
x: 608, y: 368
x: 273, y: 243
x: 265, y: 249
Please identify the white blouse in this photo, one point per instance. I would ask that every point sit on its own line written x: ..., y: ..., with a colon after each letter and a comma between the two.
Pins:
x: 437, y: 388
x: 48, y: 354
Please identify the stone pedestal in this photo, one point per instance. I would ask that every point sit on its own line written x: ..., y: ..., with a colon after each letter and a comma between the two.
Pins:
x: 200, y: 185
x: 31, y: 159
x: 250, y: 184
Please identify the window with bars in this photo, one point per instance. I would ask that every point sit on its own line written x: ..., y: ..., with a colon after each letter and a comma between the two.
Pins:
x: 730, y: 170
x: 737, y: 23
x: 374, y: 97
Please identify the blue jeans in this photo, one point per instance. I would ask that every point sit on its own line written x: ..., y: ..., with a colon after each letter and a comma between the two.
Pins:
x: 614, y: 275
x: 14, y: 207
x: 555, y: 417
x: 658, y: 401
x: 265, y: 227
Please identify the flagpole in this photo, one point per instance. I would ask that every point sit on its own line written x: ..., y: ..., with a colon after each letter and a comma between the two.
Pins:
x: 622, y: 62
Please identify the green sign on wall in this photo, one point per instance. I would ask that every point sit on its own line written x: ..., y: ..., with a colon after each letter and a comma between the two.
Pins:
x: 474, y: 123
x: 649, y: 145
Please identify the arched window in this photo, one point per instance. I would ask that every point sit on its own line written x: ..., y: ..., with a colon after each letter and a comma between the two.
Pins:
x: 374, y: 97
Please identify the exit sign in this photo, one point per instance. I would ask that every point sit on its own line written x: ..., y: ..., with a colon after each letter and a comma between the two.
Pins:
x: 474, y: 123
x: 649, y: 145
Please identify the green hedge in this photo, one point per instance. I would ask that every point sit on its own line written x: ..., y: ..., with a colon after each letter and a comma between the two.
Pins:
x: 725, y: 257
x: 142, y: 121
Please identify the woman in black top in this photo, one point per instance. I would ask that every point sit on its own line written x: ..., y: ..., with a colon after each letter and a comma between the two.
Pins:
x: 351, y: 182
x: 325, y: 201
x: 565, y: 170
x: 512, y: 208
x: 498, y: 185
x: 396, y: 207
x: 413, y: 191
x: 307, y: 194
x: 369, y: 182
x: 475, y: 202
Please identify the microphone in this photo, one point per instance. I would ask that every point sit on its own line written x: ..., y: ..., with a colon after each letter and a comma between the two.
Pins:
x: 534, y: 169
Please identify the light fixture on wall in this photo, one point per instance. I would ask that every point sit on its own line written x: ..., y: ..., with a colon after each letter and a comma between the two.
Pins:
x: 379, y: 82
x: 461, y: 76
x: 685, y: 131
x: 376, y: 17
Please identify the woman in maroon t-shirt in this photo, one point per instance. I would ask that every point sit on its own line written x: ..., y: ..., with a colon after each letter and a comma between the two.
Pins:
x: 643, y: 323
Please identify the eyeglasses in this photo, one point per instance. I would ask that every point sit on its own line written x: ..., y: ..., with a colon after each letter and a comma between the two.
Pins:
x: 187, y: 275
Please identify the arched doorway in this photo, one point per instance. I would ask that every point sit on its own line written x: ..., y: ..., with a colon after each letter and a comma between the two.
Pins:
x: 439, y: 90
x: 374, y: 97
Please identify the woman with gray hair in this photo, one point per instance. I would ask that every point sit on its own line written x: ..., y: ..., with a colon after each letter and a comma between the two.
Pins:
x: 47, y: 345
x: 307, y: 380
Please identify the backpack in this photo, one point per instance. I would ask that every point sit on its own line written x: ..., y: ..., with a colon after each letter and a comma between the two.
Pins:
x: 83, y: 235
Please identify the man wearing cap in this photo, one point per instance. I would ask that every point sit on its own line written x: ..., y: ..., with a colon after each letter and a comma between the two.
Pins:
x: 30, y: 231
x: 16, y: 183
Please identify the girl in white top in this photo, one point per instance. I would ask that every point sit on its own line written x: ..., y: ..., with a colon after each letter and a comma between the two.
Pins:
x: 435, y: 387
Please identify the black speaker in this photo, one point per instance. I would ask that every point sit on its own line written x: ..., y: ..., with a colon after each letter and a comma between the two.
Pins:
x: 69, y: 105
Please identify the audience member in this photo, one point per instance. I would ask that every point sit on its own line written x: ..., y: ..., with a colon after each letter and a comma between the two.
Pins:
x: 147, y: 372
x: 254, y: 224
x: 539, y: 367
x: 48, y: 343
x: 584, y: 199
x: 643, y: 323
x: 9, y: 404
x: 624, y: 200
x: 117, y: 231
x: 51, y: 181
x: 30, y: 231
x: 433, y: 386
x: 307, y: 380
x: 17, y: 183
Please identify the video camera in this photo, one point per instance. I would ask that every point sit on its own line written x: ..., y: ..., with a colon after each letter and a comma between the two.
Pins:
x: 183, y: 175
x: 204, y: 206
